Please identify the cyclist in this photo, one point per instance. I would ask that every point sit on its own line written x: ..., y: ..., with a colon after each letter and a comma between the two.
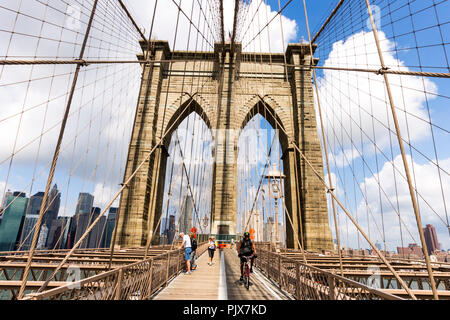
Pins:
x: 246, y: 248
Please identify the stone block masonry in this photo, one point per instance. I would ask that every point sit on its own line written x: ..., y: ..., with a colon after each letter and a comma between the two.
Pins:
x: 226, y: 88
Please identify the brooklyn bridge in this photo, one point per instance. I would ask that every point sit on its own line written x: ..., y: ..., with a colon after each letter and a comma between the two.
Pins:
x: 320, y: 129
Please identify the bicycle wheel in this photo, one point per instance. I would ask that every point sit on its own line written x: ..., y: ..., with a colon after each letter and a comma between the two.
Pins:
x: 247, y: 277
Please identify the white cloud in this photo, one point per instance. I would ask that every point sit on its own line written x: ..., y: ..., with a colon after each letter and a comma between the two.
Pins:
x: 167, y: 13
x: 355, y: 104
x: 270, y: 38
x: 426, y: 176
x: 103, y: 195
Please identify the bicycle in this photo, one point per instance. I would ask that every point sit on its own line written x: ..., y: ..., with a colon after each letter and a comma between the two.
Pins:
x: 247, y: 272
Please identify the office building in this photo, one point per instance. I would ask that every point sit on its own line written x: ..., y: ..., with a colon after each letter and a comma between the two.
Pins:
x: 57, y: 233
x: 431, y: 239
x: 12, y: 221
x: 109, y: 229
x: 85, y: 203
x: 186, y: 218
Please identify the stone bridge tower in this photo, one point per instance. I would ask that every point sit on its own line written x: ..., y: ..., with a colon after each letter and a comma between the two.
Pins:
x: 226, y: 88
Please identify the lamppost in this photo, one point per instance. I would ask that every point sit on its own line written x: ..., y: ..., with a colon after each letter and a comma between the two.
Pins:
x: 274, y: 176
x: 205, y: 221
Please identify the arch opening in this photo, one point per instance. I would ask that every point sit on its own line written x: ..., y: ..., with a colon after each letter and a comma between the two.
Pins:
x: 261, y: 205
x: 188, y: 174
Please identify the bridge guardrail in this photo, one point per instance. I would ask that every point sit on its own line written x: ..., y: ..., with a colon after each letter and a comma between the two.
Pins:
x: 137, y: 281
x: 306, y: 282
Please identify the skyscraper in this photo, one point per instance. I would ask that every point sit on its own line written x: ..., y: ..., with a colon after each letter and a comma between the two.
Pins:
x: 96, y: 234
x: 35, y: 203
x: 80, y: 221
x: 28, y: 232
x: 85, y: 203
x: 171, y: 230
x: 109, y: 229
x: 32, y: 215
x: 84, y: 221
x: 431, y: 239
x: 53, y: 203
x: 12, y: 221
x: 55, y: 239
x: 50, y: 216
x: 42, y: 240
x: 186, y: 218
x: 5, y: 198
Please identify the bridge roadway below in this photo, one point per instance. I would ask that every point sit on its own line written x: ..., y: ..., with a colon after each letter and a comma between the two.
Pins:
x: 220, y: 281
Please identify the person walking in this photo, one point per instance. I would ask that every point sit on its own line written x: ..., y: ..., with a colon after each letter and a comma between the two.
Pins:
x: 187, y: 250
x: 211, y: 250
x: 193, y: 237
x: 232, y: 243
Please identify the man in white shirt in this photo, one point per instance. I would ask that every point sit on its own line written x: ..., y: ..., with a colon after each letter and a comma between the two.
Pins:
x: 187, y: 250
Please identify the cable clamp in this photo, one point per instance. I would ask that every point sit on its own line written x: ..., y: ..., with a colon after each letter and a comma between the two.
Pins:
x: 382, y: 70
x: 82, y: 62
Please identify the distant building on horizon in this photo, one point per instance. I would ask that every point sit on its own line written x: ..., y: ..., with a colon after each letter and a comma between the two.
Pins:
x: 431, y: 239
x: 32, y: 215
x: 53, y: 204
x: 80, y: 221
x: 85, y: 203
x: 57, y: 233
x: 186, y: 218
x: 12, y: 221
x: 412, y: 251
x: 109, y: 229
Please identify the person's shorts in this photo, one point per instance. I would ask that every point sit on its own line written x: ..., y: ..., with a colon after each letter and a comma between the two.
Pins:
x: 187, y: 253
x: 211, y: 253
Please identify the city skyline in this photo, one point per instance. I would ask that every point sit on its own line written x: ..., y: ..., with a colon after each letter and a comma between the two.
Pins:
x: 17, y: 223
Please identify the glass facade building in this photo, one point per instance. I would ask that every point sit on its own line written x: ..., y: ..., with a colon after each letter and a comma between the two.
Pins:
x: 12, y: 222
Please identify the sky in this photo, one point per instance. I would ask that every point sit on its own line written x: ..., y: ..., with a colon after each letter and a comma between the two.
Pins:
x: 363, y: 149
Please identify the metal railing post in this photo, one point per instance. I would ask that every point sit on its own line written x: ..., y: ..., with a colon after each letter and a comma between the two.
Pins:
x: 150, y: 280
x: 167, y: 269
x: 279, y: 271
x: 297, y: 280
x: 331, y: 287
x: 119, y: 284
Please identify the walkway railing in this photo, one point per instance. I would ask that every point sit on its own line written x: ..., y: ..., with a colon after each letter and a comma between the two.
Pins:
x: 306, y: 282
x: 137, y: 281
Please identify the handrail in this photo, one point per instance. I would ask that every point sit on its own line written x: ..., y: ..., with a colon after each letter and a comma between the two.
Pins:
x: 306, y: 282
x: 137, y: 281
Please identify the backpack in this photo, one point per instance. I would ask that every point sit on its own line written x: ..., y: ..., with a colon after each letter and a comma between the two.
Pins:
x: 193, y: 244
x: 246, y: 247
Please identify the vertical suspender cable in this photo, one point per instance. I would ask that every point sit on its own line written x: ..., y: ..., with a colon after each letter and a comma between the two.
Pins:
x: 55, y: 156
x: 405, y: 162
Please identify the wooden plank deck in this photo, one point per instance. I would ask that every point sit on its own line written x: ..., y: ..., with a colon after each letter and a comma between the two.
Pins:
x: 203, y: 283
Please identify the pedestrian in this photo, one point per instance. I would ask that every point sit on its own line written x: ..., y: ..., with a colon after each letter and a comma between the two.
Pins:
x: 232, y: 243
x: 187, y: 251
x: 211, y: 250
x: 193, y: 237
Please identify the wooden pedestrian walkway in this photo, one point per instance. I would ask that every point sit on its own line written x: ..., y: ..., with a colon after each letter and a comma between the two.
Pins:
x: 219, y: 281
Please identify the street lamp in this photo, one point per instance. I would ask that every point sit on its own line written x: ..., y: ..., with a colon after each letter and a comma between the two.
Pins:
x: 274, y: 176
